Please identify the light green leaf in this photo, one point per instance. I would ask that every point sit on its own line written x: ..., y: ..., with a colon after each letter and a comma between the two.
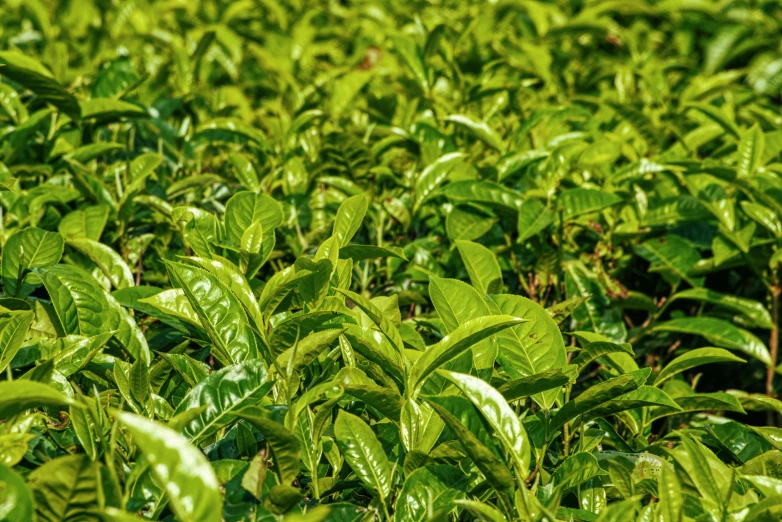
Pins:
x: 181, y: 469
x: 454, y: 344
x: 694, y: 359
x: 34, y: 76
x: 284, y: 445
x: 107, y: 259
x: 538, y: 383
x: 363, y: 452
x: 532, y: 347
x: 575, y: 470
x: 506, y: 424
x: 488, y: 463
x: 432, y: 489
x: 16, y: 501
x: 579, y: 201
x: 593, y: 397
x: 87, y: 223
x: 13, y: 332
x: 27, y: 249
x: 109, y: 110
x: 750, y: 154
x: 219, y: 312
x: 223, y: 393
x: 350, y: 215
x: 479, y: 129
x: 482, y: 266
x: 65, y: 488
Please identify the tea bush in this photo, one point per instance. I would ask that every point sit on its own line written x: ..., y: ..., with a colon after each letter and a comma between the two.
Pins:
x: 350, y: 260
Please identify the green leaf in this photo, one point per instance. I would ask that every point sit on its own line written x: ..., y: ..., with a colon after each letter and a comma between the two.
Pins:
x: 34, y: 76
x: 592, y: 351
x: 27, y: 249
x: 593, y: 397
x: 764, y: 216
x: 434, y: 175
x: 720, y: 333
x: 579, y: 201
x: 694, y: 359
x: 246, y: 208
x: 597, y: 314
x: 85, y: 224
x: 83, y: 307
x: 13, y: 332
x: 481, y: 511
x: 752, y: 312
x: 456, y: 303
x: 454, y: 344
x: 364, y: 252
x: 284, y: 445
x: 711, y: 477
x: 227, y: 274
x: 219, y: 312
x: 420, y: 426
x: 107, y: 259
x: 575, y: 470
x: 182, y: 470
x: 468, y: 222
x: 361, y: 449
x: 138, y: 378
x: 501, y: 417
x: 750, y: 154
x: 468, y: 416
x: 377, y: 316
x: 223, y: 393
x: 384, y: 400
x: 109, y: 110
x: 483, y: 192
x: 479, y: 129
x: 245, y: 172
x: 540, y: 382
x: 346, y: 90
x: 228, y: 130
x: 532, y: 347
x: 65, y: 488
x: 16, y: 501
x: 672, y: 257
x: 432, y: 489
x: 642, y: 397
x: 488, y: 463
x: 534, y: 218
x: 714, y: 195
x: 482, y: 266
x: 79, y: 301
x: 701, y: 402
x: 84, y: 428
x: 411, y: 54
x: 716, y: 115
x: 350, y: 215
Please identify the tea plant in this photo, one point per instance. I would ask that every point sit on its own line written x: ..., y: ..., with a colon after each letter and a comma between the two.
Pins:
x: 373, y: 260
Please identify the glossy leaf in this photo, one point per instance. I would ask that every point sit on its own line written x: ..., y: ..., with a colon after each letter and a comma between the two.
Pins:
x: 182, y: 470
x: 362, y: 451
x: 500, y: 416
x: 223, y: 393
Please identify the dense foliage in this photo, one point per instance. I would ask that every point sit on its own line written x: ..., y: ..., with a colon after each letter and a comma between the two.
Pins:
x: 423, y: 261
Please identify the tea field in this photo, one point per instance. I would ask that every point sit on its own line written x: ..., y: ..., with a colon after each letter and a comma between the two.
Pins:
x: 356, y: 260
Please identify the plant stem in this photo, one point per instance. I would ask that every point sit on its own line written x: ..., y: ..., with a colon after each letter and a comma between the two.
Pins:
x: 773, y: 339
